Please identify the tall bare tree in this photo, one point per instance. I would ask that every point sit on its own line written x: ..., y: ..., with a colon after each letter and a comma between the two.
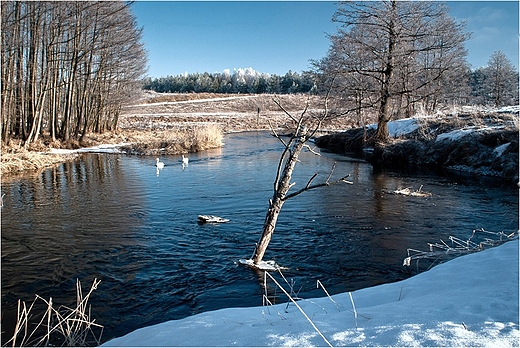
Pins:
x: 501, y: 80
x: 403, y: 51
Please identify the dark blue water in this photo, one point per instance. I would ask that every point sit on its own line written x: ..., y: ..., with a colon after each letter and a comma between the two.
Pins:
x: 112, y: 217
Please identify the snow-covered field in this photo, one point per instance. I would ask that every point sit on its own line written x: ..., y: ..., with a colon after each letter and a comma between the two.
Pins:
x: 469, y: 301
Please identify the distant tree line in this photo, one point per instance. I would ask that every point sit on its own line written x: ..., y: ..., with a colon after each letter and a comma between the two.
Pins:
x: 67, y: 67
x: 496, y: 84
x: 246, y: 81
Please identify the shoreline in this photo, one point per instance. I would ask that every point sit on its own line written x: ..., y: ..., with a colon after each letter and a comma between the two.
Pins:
x: 478, y: 145
x: 474, y: 141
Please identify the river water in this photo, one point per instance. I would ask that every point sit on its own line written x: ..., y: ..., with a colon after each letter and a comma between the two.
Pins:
x: 114, y: 218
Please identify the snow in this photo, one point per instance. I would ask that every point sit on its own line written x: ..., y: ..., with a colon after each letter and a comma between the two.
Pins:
x: 262, y: 265
x: 514, y: 109
x: 469, y: 301
x: 105, y: 148
x: 400, y: 127
x: 499, y: 150
x: 459, y: 133
x: 405, y: 126
x: 193, y: 101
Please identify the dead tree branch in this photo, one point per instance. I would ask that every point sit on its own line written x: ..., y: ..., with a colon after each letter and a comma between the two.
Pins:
x: 286, y: 165
x: 312, y: 187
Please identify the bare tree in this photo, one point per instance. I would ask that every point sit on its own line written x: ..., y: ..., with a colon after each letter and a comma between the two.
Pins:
x: 501, y: 80
x: 282, y: 184
x: 67, y: 67
x: 402, y: 51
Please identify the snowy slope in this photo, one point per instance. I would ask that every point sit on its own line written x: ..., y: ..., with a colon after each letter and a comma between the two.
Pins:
x: 468, y: 301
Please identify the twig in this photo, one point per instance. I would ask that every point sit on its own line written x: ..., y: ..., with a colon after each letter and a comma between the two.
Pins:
x: 319, y: 284
x: 311, y: 150
x: 307, y: 188
x: 300, y: 309
x: 73, y: 324
x: 459, y: 246
x: 353, y: 307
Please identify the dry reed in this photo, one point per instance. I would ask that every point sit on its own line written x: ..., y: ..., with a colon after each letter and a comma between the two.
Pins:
x: 73, y: 326
x: 177, y: 140
x: 21, y: 160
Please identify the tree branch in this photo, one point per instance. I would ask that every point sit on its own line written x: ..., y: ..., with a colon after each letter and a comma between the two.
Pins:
x: 326, y: 183
x: 311, y: 150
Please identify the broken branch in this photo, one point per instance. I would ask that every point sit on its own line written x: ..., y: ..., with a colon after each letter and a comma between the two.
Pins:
x: 311, y: 150
x: 307, y: 188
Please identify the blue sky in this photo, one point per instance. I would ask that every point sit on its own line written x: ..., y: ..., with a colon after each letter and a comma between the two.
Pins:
x: 278, y: 36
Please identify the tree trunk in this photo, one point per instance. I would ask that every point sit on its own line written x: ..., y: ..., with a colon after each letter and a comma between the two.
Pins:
x: 281, y: 189
x: 384, y: 106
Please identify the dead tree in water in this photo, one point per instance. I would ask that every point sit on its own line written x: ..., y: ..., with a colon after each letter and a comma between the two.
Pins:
x: 282, y: 183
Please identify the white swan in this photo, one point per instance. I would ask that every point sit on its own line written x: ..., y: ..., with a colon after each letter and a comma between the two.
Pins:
x: 159, y: 165
x: 185, y: 160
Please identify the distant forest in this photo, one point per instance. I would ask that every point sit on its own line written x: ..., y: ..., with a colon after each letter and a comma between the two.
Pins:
x: 480, y: 85
x: 247, y: 81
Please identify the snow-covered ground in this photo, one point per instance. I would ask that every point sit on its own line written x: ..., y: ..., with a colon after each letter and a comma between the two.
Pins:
x: 104, y: 148
x: 193, y: 101
x: 399, y: 127
x: 469, y: 301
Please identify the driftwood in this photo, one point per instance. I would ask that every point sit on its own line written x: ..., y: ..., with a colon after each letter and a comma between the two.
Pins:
x: 408, y: 192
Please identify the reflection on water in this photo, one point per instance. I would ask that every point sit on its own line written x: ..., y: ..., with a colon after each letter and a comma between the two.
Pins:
x: 112, y: 217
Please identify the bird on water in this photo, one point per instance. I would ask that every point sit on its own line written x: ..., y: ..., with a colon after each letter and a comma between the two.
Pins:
x: 159, y: 164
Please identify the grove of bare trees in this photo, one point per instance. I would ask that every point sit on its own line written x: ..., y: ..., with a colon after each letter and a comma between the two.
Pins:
x: 392, y: 57
x: 67, y: 67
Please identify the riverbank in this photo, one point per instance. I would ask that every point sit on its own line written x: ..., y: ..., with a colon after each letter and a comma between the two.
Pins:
x: 475, y: 141
x: 469, y: 301
x: 165, y: 123
x: 17, y: 160
x: 470, y: 141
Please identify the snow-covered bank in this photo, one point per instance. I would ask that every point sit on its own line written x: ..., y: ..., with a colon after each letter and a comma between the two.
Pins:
x: 468, y: 301
x: 478, y: 143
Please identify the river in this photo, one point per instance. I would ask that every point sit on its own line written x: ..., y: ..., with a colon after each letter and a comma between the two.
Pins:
x: 114, y: 218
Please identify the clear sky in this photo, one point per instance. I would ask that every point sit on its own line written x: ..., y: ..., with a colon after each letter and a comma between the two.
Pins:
x: 278, y: 36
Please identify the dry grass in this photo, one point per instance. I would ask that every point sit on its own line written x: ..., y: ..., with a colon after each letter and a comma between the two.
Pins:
x: 18, y: 159
x: 72, y: 326
x: 176, y: 140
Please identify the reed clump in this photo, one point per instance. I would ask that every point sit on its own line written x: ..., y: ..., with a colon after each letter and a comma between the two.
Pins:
x: 72, y: 327
x: 176, y: 140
